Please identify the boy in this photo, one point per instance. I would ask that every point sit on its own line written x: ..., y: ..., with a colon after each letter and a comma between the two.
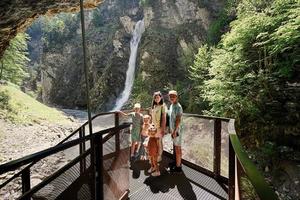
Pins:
x: 175, y: 113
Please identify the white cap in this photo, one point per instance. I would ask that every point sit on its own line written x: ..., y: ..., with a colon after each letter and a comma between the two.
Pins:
x: 146, y: 116
x: 137, y: 105
x: 173, y: 92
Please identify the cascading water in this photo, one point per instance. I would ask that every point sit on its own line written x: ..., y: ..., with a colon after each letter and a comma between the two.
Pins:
x: 134, y: 43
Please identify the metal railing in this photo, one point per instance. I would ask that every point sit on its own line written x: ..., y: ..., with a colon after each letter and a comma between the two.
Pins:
x: 85, y: 168
x: 237, y: 161
x: 239, y: 164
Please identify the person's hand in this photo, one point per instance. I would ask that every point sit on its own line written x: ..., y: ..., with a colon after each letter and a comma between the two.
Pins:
x: 173, y: 134
x: 158, y: 135
x: 162, y: 133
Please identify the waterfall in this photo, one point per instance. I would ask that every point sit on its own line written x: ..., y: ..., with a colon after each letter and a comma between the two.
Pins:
x: 134, y: 43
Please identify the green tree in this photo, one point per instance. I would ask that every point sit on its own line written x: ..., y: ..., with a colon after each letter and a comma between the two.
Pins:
x: 198, y: 73
x: 15, y: 59
x: 260, y: 53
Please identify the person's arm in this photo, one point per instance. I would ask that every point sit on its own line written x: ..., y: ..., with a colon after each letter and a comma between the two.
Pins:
x: 163, y: 123
x: 122, y: 113
x: 177, y: 122
x: 163, y: 119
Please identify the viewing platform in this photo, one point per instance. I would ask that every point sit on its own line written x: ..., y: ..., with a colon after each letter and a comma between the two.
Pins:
x: 98, y: 165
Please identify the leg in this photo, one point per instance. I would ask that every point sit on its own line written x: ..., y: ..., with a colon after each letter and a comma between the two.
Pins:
x: 146, y: 152
x: 152, y: 166
x: 156, y: 168
x: 154, y: 161
x: 178, y: 155
x: 160, y: 149
x: 132, y: 149
x: 142, y: 147
x: 138, y: 147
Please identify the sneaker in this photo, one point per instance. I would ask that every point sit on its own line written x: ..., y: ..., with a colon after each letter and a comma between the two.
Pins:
x: 176, y: 169
x: 156, y: 173
x: 172, y: 164
x: 150, y: 170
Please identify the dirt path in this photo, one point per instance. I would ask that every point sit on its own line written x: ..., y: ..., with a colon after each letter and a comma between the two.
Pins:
x: 17, y: 141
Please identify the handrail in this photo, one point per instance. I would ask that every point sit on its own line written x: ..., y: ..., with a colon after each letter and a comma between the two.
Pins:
x: 54, y: 175
x: 12, y: 165
x: 84, y: 124
x: 262, y: 189
x: 206, y: 117
x: 61, y: 142
x: 238, y: 159
x: 112, y: 112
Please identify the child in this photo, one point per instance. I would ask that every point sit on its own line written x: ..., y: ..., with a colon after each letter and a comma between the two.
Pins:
x: 136, y: 129
x: 153, y: 148
x: 144, y: 137
x: 175, y: 113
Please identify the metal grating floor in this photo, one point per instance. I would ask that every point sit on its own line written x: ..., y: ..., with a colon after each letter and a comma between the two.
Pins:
x: 190, y: 184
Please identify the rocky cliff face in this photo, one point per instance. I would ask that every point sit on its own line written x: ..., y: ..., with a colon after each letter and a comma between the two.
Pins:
x: 174, y: 31
x: 17, y: 15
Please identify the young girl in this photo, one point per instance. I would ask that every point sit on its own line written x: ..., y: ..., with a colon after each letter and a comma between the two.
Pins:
x: 144, y: 137
x: 137, y: 120
x: 153, y: 148
x: 158, y: 114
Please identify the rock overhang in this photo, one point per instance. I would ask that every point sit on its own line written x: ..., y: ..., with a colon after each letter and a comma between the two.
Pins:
x: 16, y: 16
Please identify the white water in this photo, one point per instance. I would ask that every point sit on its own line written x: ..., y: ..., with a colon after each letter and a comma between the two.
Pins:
x: 134, y: 43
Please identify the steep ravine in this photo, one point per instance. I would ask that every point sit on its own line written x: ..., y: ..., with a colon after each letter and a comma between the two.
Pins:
x: 174, y: 31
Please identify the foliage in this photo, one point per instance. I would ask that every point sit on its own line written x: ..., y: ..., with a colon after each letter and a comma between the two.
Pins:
x: 140, y: 94
x: 220, y: 24
x: 6, y: 110
x: 145, y: 3
x: 98, y: 19
x: 55, y: 30
x: 15, y: 59
x: 19, y: 107
x: 260, y: 51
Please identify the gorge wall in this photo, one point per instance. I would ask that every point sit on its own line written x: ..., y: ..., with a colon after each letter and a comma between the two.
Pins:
x: 173, y: 32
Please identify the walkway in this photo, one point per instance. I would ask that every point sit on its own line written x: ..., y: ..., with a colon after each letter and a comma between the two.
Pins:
x: 190, y: 184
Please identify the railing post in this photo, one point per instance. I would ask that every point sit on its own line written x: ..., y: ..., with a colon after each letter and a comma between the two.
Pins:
x: 26, y: 182
x: 217, y: 148
x: 238, y: 172
x: 99, y: 167
x: 117, y: 136
x: 231, y: 169
x: 82, y: 149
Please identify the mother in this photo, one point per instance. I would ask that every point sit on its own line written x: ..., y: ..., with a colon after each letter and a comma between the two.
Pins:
x: 158, y: 114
